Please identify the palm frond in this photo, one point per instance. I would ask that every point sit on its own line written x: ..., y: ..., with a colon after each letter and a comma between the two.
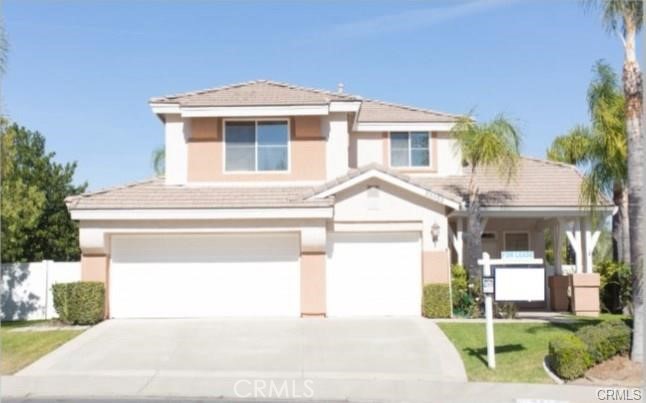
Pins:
x: 571, y: 148
x: 159, y: 160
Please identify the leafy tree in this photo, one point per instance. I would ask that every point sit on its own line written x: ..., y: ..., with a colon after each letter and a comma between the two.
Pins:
x: 494, y: 144
x: 35, y: 222
x: 625, y: 18
x: 601, y: 150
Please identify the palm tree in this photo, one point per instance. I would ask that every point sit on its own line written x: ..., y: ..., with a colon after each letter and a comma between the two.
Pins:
x: 624, y: 18
x: 158, y: 161
x: 601, y: 150
x: 494, y: 144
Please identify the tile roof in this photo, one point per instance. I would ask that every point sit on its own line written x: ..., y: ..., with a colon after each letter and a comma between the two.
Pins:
x: 154, y: 194
x: 266, y: 93
x: 255, y: 93
x: 377, y: 111
x: 538, y: 183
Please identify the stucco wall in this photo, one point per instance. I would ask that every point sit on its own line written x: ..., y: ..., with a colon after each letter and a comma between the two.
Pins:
x: 206, y: 153
x: 392, y: 205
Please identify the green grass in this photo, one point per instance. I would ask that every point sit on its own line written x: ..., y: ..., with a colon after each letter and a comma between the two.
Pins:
x: 20, y: 349
x: 520, y: 348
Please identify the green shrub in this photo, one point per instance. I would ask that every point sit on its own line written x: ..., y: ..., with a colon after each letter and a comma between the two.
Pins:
x: 568, y: 356
x: 61, y: 304
x: 615, y: 291
x: 81, y: 303
x: 605, y: 340
x: 436, y: 301
x: 464, y: 298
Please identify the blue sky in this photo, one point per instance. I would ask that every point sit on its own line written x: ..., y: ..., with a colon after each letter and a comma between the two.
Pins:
x: 81, y: 73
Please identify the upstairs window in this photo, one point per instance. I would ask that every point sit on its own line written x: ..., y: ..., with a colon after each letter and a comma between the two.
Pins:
x: 409, y: 149
x: 259, y: 145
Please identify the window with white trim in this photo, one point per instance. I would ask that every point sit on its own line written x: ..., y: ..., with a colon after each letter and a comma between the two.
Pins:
x: 516, y: 241
x: 409, y: 149
x: 256, y: 145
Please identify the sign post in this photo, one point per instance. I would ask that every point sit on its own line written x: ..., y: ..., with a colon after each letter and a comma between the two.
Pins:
x: 488, y: 292
x: 523, y: 282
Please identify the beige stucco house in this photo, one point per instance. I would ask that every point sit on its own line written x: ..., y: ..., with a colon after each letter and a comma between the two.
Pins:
x: 280, y: 200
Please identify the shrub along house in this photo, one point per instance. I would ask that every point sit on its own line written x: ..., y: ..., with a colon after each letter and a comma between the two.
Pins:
x: 280, y: 200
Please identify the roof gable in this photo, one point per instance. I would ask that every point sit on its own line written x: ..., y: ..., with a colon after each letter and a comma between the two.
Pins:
x: 375, y: 171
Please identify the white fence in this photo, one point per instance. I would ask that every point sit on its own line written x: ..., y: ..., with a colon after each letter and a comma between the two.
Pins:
x: 27, y: 288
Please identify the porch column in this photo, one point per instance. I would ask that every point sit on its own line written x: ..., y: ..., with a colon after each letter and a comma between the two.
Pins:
x: 457, y: 240
x: 590, y: 239
x: 574, y: 237
x: 538, y: 238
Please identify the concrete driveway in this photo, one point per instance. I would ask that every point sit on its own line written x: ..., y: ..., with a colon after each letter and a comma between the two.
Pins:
x: 361, y: 349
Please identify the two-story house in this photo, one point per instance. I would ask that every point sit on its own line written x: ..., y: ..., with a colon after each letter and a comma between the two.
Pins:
x: 280, y: 200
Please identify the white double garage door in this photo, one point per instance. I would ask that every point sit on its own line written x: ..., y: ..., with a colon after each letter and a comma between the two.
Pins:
x: 175, y: 276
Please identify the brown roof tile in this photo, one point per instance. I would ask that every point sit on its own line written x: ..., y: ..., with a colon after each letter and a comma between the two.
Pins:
x: 255, y: 93
x: 154, y: 194
x: 378, y: 111
x: 537, y: 183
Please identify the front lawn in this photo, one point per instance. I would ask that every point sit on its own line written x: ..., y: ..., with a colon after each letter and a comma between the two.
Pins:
x: 520, y: 348
x: 20, y: 349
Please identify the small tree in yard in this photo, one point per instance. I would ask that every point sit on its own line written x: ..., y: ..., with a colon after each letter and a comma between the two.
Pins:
x: 490, y: 145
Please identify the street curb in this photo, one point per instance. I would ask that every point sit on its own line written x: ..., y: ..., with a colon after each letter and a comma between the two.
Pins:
x: 551, y: 374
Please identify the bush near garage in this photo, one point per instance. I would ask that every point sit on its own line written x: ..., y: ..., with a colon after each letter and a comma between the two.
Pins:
x: 605, y: 340
x: 80, y: 303
x: 568, y: 356
x: 436, y: 301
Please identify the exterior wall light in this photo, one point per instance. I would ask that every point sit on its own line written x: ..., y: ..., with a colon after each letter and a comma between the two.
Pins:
x: 435, y: 232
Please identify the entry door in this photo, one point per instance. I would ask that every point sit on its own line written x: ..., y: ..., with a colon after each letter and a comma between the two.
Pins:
x: 374, y: 274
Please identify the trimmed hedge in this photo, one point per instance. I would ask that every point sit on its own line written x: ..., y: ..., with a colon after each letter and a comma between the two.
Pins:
x: 436, y: 301
x: 571, y: 355
x: 81, y: 303
x: 606, y: 339
x: 568, y: 356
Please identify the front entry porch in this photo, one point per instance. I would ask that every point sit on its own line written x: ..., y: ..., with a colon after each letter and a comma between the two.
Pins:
x: 564, y: 239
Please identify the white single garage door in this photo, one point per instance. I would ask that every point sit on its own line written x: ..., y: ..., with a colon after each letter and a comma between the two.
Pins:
x: 181, y: 276
x: 374, y: 274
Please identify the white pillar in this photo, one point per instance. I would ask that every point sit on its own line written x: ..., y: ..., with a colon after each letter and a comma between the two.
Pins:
x: 590, y: 239
x: 458, y: 241
x: 574, y: 236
